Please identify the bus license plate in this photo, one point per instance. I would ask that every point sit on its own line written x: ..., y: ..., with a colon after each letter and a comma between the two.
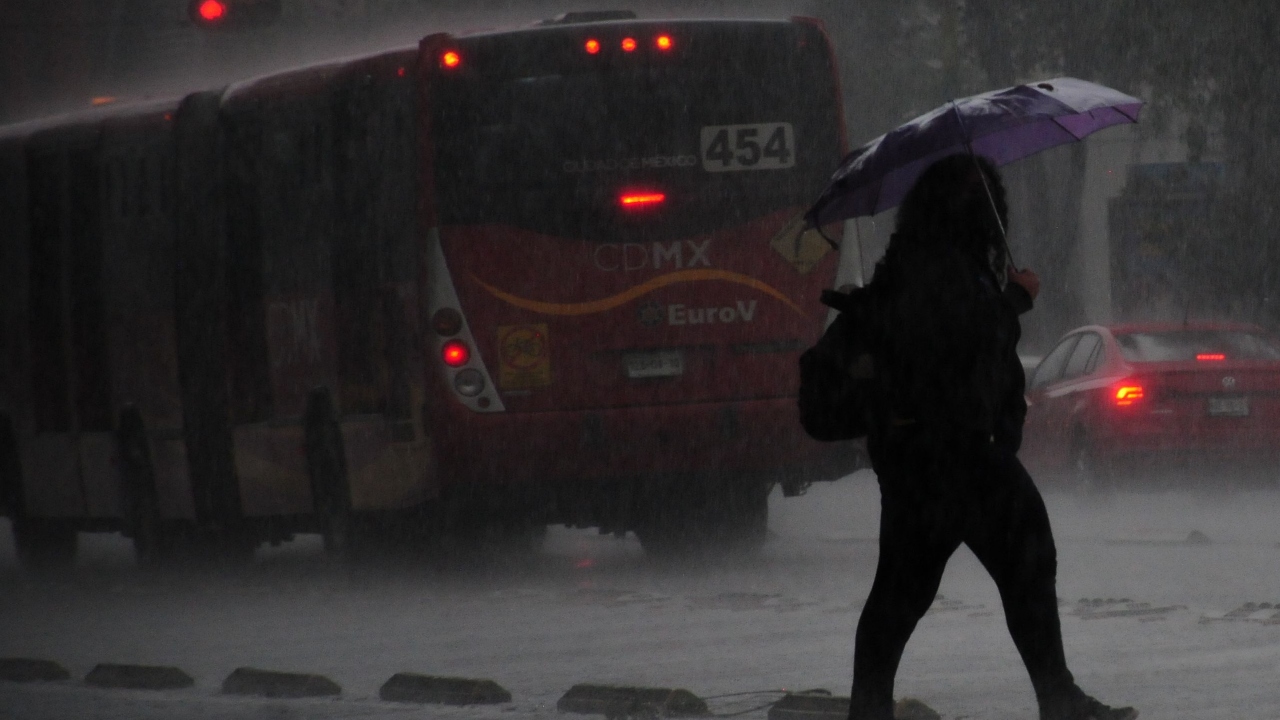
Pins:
x: 1229, y: 406
x: 663, y: 363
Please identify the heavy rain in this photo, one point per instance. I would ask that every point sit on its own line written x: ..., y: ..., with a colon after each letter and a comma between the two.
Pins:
x: 426, y: 358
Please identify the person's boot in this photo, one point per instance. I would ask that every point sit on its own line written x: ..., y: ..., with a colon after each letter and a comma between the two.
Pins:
x: 1076, y: 705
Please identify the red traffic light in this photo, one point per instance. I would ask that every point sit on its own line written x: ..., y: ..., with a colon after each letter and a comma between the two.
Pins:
x: 217, y: 14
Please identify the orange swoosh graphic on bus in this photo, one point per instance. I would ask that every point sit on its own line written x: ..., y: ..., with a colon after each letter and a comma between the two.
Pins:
x: 609, y: 303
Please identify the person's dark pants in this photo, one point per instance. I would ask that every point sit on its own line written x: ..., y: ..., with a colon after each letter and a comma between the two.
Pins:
x: 936, y: 494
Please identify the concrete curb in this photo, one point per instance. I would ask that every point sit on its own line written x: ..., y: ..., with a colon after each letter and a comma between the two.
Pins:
x: 615, y: 701
x: 268, y: 683
x: 413, y: 688
x: 138, y: 677
x: 31, y: 670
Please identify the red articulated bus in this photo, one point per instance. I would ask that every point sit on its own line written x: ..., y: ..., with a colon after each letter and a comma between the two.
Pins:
x: 496, y: 281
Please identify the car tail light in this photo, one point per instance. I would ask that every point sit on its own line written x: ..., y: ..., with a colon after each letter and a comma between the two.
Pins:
x: 455, y: 353
x: 450, y: 59
x: 628, y: 44
x: 1129, y: 392
x: 1211, y: 357
x: 592, y: 46
x: 663, y: 42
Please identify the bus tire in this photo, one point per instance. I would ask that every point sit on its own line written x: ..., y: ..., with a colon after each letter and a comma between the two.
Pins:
x: 10, y: 470
x: 746, y: 522
x: 327, y: 465
x: 702, y: 517
x: 41, y: 545
x: 44, y: 545
x: 141, y: 501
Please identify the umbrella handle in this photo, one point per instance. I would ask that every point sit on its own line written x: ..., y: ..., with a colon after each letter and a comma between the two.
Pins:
x: 964, y: 137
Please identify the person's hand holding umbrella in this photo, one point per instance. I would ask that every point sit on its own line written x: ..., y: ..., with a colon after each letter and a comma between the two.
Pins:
x: 1026, y: 279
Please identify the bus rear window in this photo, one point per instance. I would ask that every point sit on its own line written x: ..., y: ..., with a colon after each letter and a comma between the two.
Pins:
x: 738, y: 125
x: 1186, y: 345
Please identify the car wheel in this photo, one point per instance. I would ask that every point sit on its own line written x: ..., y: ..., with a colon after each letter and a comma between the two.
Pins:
x: 1090, y: 470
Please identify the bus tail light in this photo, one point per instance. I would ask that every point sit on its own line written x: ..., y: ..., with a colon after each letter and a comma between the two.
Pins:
x: 592, y: 46
x: 632, y: 200
x: 450, y: 59
x: 628, y: 44
x: 663, y: 42
x: 211, y: 10
x: 455, y: 353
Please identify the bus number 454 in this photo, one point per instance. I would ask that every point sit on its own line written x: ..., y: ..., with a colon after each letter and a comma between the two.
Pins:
x: 764, y: 146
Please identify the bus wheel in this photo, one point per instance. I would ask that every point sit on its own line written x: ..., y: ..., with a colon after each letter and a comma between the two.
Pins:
x: 327, y: 465
x: 699, y: 518
x: 142, y: 518
x: 746, y: 520
x: 44, y: 545
x: 41, y: 545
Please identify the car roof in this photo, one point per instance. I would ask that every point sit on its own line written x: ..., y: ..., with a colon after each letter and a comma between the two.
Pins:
x: 1190, y: 326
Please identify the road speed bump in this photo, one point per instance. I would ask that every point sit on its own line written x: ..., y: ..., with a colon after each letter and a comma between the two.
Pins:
x: 138, y: 677
x: 912, y: 709
x: 413, y: 688
x: 269, y: 683
x: 810, y: 706
x: 824, y: 706
x: 31, y: 670
x: 622, y: 702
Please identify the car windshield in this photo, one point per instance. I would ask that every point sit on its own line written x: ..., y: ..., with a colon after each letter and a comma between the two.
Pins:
x: 1197, y: 345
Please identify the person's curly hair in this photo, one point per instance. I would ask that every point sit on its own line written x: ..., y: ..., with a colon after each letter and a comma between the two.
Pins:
x: 948, y: 203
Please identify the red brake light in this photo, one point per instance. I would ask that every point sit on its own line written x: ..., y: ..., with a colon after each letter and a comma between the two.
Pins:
x: 628, y: 44
x: 212, y: 10
x: 1128, y: 394
x: 663, y: 42
x: 455, y: 353
x: 451, y: 59
x: 592, y: 46
x: 1210, y: 356
x: 631, y: 200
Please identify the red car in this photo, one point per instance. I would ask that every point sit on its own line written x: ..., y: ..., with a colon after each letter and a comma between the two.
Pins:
x: 1110, y: 401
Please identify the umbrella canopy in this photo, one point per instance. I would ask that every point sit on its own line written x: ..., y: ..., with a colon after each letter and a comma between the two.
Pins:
x: 1003, y: 125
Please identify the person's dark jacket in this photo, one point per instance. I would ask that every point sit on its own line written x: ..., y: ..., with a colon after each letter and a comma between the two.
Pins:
x: 949, y: 356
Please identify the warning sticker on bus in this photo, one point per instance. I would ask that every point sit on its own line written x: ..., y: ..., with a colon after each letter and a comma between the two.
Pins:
x: 524, y: 356
x: 763, y: 146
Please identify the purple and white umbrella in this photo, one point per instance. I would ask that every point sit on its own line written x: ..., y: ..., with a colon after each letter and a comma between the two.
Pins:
x: 1003, y: 125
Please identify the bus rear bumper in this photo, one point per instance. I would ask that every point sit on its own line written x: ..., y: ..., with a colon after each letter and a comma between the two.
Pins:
x: 757, y: 438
